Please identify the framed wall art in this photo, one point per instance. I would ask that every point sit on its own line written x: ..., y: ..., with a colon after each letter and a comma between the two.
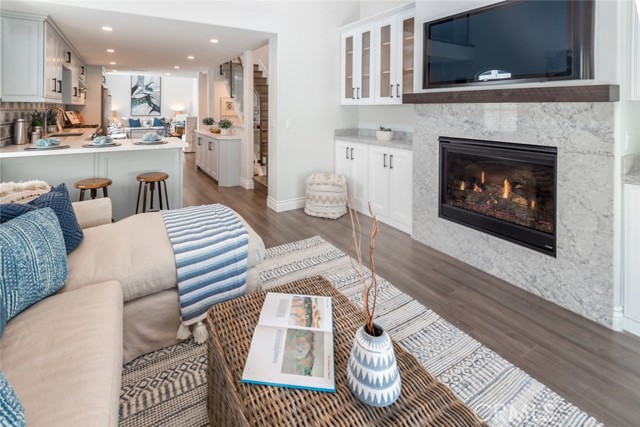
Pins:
x: 145, y: 95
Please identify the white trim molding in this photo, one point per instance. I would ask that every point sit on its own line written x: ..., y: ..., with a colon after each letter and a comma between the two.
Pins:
x: 285, y: 205
x: 247, y: 184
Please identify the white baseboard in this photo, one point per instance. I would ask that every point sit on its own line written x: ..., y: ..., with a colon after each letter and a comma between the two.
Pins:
x: 247, y: 184
x: 632, y: 326
x: 618, y: 319
x: 285, y: 205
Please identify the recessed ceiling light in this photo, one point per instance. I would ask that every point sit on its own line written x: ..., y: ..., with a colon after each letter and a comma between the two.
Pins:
x: 176, y: 67
x: 214, y: 40
x: 107, y: 28
x: 110, y: 50
x: 190, y: 57
x: 112, y: 63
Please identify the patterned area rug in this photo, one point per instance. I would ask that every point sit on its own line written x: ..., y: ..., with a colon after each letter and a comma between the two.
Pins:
x: 168, y: 387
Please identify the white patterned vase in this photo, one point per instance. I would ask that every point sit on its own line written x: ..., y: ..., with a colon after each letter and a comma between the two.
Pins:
x: 372, y: 372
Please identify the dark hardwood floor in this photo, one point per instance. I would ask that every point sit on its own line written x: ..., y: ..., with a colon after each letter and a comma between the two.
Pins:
x: 591, y: 366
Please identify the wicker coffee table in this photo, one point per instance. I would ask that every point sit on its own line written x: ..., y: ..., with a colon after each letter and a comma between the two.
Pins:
x: 423, y: 401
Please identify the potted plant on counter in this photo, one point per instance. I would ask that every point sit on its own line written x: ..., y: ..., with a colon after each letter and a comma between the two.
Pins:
x: 37, y: 123
x: 207, y: 122
x: 225, y: 126
x: 384, y: 134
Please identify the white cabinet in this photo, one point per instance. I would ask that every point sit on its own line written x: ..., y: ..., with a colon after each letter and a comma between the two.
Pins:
x: 390, y: 182
x: 219, y: 157
x: 34, y: 53
x: 357, y: 66
x: 378, y: 59
x: 631, y: 257
x: 352, y: 161
x: 73, y: 85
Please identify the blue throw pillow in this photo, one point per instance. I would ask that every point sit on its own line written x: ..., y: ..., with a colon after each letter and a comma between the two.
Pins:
x: 158, y: 121
x: 58, y: 199
x: 33, y: 260
x: 14, y: 210
x: 3, y: 315
x: 134, y: 123
x: 11, y: 411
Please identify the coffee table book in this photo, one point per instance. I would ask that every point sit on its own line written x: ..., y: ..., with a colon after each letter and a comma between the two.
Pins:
x: 292, y: 345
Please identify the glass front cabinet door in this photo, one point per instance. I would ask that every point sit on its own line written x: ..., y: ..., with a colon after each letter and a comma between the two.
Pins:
x: 357, y: 67
x: 394, y: 62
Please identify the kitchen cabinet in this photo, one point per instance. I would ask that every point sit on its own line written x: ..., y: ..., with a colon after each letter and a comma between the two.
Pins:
x: 73, y: 85
x: 390, y: 177
x: 631, y: 255
x: 219, y: 157
x: 357, y: 66
x: 378, y: 54
x: 34, y: 57
x: 351, y: 160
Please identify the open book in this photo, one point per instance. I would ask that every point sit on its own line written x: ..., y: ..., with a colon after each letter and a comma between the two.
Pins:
x: 292, y: 345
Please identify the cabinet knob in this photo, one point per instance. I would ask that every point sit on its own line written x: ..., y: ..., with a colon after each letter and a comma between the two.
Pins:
x: 391, y: 161
x: 391, y: 92
x: 384, y: 161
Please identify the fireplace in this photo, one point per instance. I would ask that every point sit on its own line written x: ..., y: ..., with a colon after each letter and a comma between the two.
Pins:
x: 504, y: 189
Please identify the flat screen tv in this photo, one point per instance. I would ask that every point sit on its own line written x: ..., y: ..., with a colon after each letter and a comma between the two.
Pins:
x: 509, y: 42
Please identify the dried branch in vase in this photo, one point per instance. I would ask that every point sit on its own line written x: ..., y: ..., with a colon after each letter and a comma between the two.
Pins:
x: 369, y: 284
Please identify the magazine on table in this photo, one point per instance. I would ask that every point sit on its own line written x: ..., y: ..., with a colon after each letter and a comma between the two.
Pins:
x: 292, y: 345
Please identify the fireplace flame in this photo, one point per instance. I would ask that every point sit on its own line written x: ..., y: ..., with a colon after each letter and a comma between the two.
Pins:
x: 507, y: 189
x: 462, y: 185
x: 476, y: 189
x: 482, y: 178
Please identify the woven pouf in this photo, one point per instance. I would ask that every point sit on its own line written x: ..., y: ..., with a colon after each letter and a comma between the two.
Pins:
x: 326, y: 195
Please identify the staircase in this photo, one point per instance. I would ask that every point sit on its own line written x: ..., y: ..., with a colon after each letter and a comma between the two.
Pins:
x: 261, y: 87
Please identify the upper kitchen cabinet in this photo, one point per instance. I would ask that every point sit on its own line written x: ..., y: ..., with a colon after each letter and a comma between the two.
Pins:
x: 357, y: 66
x: 34, y: 57
x: 378, y: 58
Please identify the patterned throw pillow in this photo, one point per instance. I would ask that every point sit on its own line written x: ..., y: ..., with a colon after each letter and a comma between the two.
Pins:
x: 33, y: 260
x: 158, y: 121
x: 134, y: 123
x: 57, y: 199
x: 11, y: 411
x: 3, y: 315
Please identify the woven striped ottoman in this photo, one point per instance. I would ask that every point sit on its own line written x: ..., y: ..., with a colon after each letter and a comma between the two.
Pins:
x: 326, y: 195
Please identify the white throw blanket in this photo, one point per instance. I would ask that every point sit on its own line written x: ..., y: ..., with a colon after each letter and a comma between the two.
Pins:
x: 210, y: 244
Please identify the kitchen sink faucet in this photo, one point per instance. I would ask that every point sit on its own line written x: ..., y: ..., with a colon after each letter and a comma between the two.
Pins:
x: 45, y: 116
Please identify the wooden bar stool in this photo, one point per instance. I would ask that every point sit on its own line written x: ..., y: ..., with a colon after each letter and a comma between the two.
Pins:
x: 149, y: 180
x: 93, y: 184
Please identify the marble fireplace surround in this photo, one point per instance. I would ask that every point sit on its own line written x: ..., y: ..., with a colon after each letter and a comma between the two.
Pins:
x: 580, y: 278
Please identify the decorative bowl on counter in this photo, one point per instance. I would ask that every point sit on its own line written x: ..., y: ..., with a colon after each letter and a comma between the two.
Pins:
x: 384, y: 135
x: 214, y: 130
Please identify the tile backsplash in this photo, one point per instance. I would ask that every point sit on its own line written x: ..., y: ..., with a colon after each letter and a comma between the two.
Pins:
x: 9, y: 111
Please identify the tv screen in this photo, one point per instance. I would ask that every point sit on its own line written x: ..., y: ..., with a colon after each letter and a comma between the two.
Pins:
x: 529, y: 40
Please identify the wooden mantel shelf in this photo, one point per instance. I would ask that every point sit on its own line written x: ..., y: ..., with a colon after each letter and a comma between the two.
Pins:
x: 582, y: 93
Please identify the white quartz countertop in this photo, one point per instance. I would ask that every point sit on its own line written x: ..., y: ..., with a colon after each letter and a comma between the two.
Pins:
x: 217, y: 135
x: 76, y: 143
x: 632, y: 178
x: 402, y: 144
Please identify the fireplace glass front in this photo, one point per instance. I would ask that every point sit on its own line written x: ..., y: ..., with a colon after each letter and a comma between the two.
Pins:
x: 505, y: 189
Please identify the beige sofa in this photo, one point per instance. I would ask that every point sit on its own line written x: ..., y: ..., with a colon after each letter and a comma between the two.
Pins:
x: 64, y: 355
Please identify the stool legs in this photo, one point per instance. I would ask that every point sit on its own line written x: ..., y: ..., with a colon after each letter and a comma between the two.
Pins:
x: 166, y: 194
x: 149, y: 183
x: 138, y: 200
x: 104, y: 192
x: 82, y: 195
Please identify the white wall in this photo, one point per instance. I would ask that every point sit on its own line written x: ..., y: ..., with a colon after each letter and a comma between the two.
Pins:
x: 177, y: 93
x: 369, y: 8
x: 262, y: 54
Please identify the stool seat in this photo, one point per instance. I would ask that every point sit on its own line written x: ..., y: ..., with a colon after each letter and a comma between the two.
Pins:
x: 152, y: 177
x: 149, y: 180
x: 93, y: 184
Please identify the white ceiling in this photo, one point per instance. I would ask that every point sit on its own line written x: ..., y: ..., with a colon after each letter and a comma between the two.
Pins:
x: 143, y: 44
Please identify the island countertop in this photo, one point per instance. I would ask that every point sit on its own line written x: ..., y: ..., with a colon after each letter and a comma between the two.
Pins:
x: 76, y: 143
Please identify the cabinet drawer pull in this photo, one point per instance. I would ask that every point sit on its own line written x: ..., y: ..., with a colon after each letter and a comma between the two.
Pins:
x: 82, y: 71
x: 390, y: 161
x: 199, y: 141
x: 353, y: 93
x: 398, y: 90
x: 209, y: 145
x: 75, y: 91
x: 346, y: 152
x: 357, y: 93
x: 352, y: 154
x: 55, y: 83
x: 384, y: 161
x: 391, y: 92
x: 59, y: 86
x: 68, y: 60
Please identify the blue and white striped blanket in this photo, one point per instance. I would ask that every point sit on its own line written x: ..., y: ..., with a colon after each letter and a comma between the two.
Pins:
x: 210, y: 244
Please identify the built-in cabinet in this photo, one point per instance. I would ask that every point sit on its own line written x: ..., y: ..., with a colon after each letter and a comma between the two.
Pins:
x: 378, y: 59
x: 219, y: 157
x: 382, y: 176
x: 38, y: 63
x: 631, y: 257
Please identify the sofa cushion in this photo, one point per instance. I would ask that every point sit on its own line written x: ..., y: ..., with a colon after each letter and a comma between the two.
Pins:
x: 63, y: 357
x: 57, y: 199
x: 11, y: 412
x: 33, y: 260
x: 134, y: 123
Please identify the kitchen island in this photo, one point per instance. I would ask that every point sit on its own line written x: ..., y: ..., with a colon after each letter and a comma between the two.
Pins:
x: 120, y: 163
